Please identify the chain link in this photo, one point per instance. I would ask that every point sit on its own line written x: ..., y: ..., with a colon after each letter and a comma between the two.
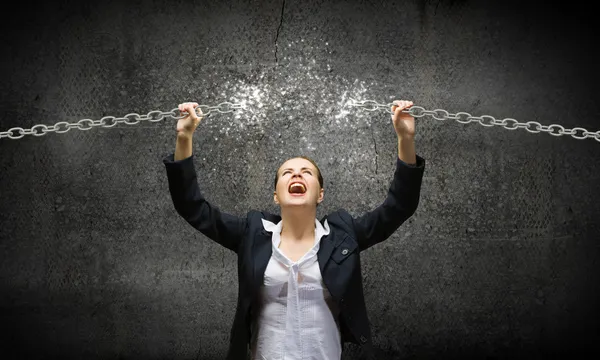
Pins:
x: 129, y: 119
x: 484, y: 120
x: 369, y: 105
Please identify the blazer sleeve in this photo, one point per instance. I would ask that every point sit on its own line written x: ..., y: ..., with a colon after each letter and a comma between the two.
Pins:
x: 400, y: 204
x: 227, y: 230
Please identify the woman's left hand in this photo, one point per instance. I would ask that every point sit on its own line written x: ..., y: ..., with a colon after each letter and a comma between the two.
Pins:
x: 404, y: 124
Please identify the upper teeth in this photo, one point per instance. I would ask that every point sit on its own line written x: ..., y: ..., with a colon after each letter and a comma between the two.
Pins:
x: 297, y: 184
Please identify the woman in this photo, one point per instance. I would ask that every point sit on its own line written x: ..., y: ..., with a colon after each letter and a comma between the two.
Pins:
x: 300, y: 293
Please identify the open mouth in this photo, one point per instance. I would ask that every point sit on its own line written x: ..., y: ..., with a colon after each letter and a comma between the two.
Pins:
x: 297, y: 189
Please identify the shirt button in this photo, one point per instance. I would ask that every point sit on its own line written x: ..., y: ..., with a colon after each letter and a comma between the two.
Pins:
x: 344, y: 252
x: 363, y: 339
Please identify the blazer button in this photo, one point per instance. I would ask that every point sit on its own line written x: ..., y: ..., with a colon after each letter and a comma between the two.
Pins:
x: 344, y: 252
x: 363, y: 339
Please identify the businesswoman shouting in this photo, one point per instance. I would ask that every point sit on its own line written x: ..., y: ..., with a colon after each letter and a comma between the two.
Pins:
x: 300, y: 292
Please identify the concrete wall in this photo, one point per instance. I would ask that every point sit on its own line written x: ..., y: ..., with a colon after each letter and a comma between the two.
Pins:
x: 500, y: 259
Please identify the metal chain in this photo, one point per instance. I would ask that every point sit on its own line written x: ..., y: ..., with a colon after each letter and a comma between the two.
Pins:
x: 485, y: 120
x: 369, y: 105
x: 129, y: 119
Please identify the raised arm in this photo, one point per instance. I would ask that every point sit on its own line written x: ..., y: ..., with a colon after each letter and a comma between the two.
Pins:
x: 226, y: 229
x: 403, y: 195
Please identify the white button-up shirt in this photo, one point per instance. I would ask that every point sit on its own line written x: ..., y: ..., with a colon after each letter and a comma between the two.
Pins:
x: 297, y: 319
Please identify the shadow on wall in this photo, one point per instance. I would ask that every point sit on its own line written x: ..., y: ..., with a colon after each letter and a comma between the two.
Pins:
x: 65, y: 326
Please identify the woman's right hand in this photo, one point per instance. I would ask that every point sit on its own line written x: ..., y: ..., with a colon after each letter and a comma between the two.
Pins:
x: 188, y: 124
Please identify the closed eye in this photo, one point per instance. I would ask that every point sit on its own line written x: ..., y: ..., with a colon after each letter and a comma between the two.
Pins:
x: 306, y: 171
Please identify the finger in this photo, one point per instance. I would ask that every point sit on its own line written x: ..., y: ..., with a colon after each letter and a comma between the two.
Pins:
x: 191, y: 111
x: 400, y: 106
x: 186, y: 108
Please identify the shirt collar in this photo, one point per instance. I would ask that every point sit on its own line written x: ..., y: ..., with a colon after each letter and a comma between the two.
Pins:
x: 322, y: 230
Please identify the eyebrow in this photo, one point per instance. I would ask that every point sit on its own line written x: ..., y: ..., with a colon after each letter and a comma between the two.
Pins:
x: 300, y: 169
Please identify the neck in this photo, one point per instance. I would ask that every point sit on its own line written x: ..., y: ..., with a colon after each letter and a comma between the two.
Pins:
x: 298, y: 223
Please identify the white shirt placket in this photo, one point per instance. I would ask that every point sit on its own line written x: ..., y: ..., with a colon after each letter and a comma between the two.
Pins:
x: 293, y: 342
x: 292, y: 331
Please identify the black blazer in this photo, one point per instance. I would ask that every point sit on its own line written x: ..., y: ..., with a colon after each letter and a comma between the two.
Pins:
x: 338, y: 255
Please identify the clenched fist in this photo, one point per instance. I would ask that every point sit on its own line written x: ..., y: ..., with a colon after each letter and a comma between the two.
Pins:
x: 404, y: 123
x: 188, y: 124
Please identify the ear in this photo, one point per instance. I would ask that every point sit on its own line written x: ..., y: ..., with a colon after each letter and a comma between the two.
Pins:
x: 275, y: 199
x: 321, y: 196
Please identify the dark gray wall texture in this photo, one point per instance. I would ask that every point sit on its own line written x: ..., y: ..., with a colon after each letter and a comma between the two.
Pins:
x: 500, y: 261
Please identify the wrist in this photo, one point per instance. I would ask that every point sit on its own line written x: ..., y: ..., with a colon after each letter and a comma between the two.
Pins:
x: 184, y: 135
x: 406, y: 137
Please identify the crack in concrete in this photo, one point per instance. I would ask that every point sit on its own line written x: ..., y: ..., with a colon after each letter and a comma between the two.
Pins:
x: 278, y: 28
x: 376, y: 152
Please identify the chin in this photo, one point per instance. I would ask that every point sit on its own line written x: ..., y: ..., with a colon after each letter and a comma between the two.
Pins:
x: 297, y: 203
x: 293, y: 204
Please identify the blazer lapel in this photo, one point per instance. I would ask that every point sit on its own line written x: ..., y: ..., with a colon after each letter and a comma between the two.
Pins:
x: 325, y: 250
x: 262, y: 251
x: 328, y: 244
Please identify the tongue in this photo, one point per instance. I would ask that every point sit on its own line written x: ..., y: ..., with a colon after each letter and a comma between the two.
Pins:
x: 296, y: 190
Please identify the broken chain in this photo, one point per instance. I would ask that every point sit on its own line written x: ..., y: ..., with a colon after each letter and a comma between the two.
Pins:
x: 485, y: 120
x: 368, y: 105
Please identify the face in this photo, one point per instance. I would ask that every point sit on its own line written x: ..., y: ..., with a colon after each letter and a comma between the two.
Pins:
x: 288, y: 191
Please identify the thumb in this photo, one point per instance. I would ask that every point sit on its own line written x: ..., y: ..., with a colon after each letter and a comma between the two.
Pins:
x: 395, y: 113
